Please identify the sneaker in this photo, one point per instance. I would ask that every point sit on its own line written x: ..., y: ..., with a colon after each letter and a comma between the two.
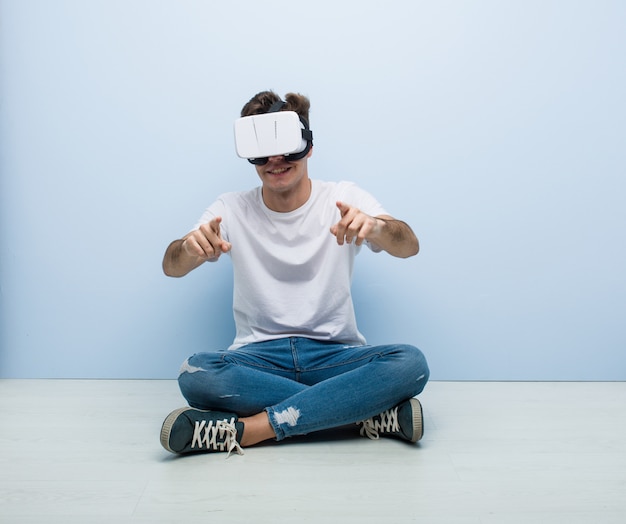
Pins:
x: 189, y: 430
x: 404, y: 421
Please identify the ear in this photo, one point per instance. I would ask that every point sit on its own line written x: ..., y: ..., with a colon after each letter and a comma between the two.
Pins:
x: 308, y: 155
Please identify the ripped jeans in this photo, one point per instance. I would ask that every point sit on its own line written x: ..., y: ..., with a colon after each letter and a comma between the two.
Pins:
x: 304, y: 385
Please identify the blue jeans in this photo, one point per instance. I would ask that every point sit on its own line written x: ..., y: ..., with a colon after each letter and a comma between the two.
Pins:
x: 304, y: 385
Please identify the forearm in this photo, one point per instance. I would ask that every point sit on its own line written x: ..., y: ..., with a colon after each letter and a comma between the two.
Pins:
x: 177, y: 262
x: 396, y: 237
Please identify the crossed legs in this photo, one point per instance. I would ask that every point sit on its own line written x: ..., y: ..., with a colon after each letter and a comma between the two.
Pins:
x: 295, y: 386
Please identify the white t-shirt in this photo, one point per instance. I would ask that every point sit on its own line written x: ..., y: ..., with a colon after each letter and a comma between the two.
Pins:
x: 291, y: 278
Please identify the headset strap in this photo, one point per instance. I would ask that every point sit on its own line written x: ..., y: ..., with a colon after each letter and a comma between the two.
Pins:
x: 277, y: 106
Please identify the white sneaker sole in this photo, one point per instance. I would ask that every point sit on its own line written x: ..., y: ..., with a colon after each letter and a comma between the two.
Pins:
x: 418, y: 420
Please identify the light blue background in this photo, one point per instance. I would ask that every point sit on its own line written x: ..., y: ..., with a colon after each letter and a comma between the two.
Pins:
x: 495, y: 128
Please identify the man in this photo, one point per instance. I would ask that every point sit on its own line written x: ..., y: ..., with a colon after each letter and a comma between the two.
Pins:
x: 298, y: 363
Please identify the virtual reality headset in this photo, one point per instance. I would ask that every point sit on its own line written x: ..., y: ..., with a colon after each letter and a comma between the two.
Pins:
x: 275, y: 133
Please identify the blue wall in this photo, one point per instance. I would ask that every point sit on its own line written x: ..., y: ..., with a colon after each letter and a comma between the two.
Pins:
x: 496, y: 129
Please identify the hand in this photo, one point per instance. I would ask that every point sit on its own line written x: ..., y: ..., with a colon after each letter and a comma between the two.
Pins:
x: 206, y: 242
x: 354, y: 225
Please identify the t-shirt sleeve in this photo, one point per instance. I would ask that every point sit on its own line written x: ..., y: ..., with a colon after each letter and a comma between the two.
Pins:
x: 353, y: 195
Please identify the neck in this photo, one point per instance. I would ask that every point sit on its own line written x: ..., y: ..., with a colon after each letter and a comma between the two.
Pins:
x: 289, y: 199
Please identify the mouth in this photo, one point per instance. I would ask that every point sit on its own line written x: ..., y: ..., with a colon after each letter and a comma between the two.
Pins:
x: 278, y: 170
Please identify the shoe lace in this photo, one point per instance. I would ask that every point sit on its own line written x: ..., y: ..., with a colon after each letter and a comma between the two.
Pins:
x: 385, y: 422
x: 220, y: 435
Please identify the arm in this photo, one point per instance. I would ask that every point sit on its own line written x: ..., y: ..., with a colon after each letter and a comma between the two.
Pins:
x: 384, y: 231
x: 194, y: 249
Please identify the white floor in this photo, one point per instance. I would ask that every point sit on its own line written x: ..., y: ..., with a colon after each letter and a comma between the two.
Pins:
x: 88, y: 452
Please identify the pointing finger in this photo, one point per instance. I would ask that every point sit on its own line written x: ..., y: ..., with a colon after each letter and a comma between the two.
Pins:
x: 343, y: 208
x: 215, y: 224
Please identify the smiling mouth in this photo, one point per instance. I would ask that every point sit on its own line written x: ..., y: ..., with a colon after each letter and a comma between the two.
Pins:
x: 279, y: 170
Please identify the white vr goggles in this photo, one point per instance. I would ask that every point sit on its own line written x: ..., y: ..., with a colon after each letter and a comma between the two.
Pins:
x: 277, y: 132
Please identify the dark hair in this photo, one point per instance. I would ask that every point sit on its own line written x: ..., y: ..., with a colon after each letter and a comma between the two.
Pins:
x: 261, y: 103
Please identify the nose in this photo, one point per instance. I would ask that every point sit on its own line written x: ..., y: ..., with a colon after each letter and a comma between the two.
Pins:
x: 276, y: 158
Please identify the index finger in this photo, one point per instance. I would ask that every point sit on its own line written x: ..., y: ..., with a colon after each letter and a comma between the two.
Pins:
x: 343, y: 208
x: 215, y: 224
